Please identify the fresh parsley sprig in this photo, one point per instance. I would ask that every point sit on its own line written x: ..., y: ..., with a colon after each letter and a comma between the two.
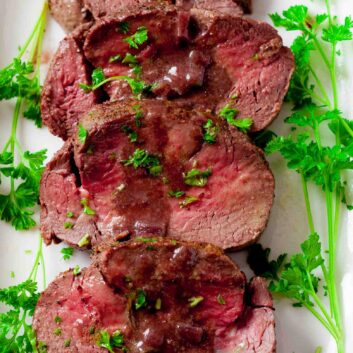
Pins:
x: 319, y: 164
x: 16, y: 333
x: 22, y: 169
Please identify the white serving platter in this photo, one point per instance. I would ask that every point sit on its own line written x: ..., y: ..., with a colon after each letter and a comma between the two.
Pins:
x: 297, y: 330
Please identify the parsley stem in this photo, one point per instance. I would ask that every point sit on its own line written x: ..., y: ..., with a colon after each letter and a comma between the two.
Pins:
x: 322, y: 320
x: 308, y: 205
x: 321, y: 86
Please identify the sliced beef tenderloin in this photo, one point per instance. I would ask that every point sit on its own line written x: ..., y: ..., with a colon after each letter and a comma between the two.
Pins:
x: 200, y: 58
x: 231, y: 7
x: 228, y: 204
x: 62, y: 213
x: 74, y: 308
x: 62, y: 99
x: 70, y: 14
x: 161, y: 295
x: 114, y: 8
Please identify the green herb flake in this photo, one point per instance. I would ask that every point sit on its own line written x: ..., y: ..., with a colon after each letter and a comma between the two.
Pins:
x: 86, y: 209
x: 110, y: 342
x: 98, y: 79
x: 194, y: 301
x: 229, y: 114
x: 82, y: 133
x: 76, y: 270
x: 58, y: 319
x: 158, y: 305
x: 68, y: 225
x: 132, y: 135
x: 115, y: 58
x: 138, y: 38
x: 220, y: 299
x: 70, y: 215
x: 143, y: 159
x: 67, y: 343
x: 84, y: 241
x: 146, y: 240
x: 12, y: 274
x: 189, y: 199
x: 140, y: 300
x: 176, y: 193
x: 196, y: 177
x: 130, y: 59
x: 211, y: 132
x: 92, y: 330
x: 57, y: 331
x: 42, y: 347
x: 67, y: 253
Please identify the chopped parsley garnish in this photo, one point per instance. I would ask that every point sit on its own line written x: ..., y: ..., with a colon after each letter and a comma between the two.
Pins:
x: 189, y: 199
x: 84, y: 241
x: 130, y: 133
x: 58, y: 331
x: 140, y: 300
x: 86, y: 209
x: 42, y: 347
x: 220, y: 299
x: 176, y: 193
x: 143, y: 159
x: 67, y: 253
x: 76, y: 270
x: 211, y: 132
x: 146, y: 240
x: 69, y: 214
x: 123, y: 27
x: 138, y: 38
x: 130, y: 59
x: 82, y: 133
x: 229, y: 114
x: 110, y: 342
x: 67, y: 343
x: 68, y: 225
x: 158, y: 305
x: 195, y: 177
x: 115, y: 58
x: 58, y: 319
x: 138, y: 115
x: 194, y: 301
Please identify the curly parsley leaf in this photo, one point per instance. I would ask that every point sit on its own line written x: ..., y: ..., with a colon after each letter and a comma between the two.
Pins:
x: 229, y: 114
x: 196, y: 177
x: 138, y: 38
x: 338, y: 32
x: 143, y: 159
x: 211, y: 131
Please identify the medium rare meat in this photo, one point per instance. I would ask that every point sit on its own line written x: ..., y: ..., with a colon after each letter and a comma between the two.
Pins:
x: 62, y: 99
x: 139, y: 180
x: 199, y: 58
x: 70, y: 14
x: 161, y: 295
x: 205, y: 60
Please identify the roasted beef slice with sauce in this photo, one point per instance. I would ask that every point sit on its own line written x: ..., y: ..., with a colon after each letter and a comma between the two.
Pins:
x: 157, y: 296
x: 63, y: 101
x: 70, y: 14
x: 227, y: 203
x: 198, y: 58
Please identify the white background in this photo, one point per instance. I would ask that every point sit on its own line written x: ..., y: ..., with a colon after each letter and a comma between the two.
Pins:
x: 297, y: 331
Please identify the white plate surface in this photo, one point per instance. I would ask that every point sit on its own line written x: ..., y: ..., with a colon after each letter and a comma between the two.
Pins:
x: 297, y: 330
